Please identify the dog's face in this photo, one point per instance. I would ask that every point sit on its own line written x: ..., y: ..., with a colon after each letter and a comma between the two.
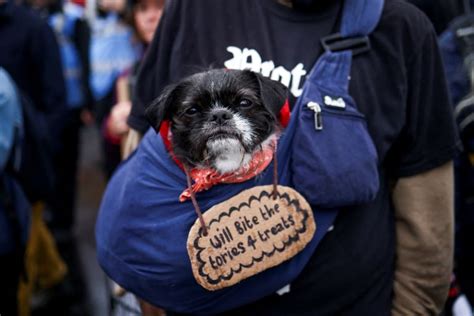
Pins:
x: 219, y: 117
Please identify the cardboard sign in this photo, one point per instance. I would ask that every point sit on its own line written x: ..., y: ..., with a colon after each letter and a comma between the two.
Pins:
x: 247, y: 234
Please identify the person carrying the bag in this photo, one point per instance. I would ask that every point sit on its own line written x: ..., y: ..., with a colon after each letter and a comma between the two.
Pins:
x: 392, y: 255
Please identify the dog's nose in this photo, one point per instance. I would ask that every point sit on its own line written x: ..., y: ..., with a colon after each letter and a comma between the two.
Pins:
x: 221, y: 116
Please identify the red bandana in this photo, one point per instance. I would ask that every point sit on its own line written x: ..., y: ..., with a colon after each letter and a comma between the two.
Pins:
x: 204, y: 179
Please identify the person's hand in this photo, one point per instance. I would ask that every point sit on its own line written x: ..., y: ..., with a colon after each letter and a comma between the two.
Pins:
x: 87, y: 118
x: 150, y: 310
x: 117, y: 123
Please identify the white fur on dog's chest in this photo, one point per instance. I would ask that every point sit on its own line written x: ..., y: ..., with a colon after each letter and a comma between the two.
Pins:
x: 229, y: 154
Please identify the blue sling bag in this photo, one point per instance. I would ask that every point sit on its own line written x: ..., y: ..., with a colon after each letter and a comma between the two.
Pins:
x: 142, y: 228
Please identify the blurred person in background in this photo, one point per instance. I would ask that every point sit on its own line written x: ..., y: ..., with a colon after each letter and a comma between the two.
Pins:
x: 457, y: 48
x: 73, y: 35
x: 144, y: 17
x: 113, y: 51
x: 14, y: 207
x: 30, y: 55
x: 67, y: 19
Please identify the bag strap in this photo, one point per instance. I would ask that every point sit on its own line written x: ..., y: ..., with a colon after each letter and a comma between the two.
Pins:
x: 359, y: 19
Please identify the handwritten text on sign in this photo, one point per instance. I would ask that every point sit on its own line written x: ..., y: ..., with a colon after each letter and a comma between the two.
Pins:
x: 248, y: 234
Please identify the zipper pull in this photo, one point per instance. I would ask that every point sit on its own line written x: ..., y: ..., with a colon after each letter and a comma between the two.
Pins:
x: 318, y: 119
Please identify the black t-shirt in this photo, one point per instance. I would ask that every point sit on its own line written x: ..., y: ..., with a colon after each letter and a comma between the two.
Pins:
x: 233, y: 34
x: 399, y: 85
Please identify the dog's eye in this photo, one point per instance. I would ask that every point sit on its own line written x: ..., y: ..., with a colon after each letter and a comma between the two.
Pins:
x: 192, y: 110
x: 245, y: 103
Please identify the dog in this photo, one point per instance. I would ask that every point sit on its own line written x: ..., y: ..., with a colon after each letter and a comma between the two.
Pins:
x: 219, y: 118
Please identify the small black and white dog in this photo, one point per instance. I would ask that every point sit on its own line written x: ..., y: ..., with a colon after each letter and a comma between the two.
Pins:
x: 219, y: 118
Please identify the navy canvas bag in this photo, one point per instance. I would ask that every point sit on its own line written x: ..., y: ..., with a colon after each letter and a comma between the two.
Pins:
x: 142, y: 229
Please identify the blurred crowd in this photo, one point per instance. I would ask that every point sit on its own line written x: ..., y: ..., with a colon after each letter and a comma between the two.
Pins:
x: 63, y: 66
x: 66, y: 65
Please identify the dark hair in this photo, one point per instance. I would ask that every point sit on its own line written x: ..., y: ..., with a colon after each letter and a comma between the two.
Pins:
x: 129, y: 16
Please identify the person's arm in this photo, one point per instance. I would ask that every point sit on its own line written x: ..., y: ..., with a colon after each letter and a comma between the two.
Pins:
x: 130, y: 143
x: 424, y: 213
x: 154, y: 75
x: 423, y: 191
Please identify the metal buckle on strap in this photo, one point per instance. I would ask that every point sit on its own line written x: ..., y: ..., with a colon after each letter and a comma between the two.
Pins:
x: 336, y: 43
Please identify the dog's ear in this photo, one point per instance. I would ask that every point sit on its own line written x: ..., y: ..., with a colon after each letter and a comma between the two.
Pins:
x: 273, y: 93
x: 157, y: 111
